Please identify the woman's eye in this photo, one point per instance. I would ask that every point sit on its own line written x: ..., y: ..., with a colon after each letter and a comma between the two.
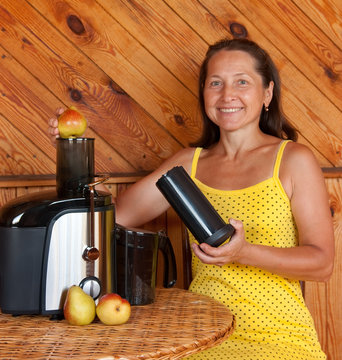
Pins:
x: 242, y: 82
x: 215, y: 83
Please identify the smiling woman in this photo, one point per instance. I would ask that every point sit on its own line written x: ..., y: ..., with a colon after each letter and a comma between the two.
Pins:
x: 250, y: 170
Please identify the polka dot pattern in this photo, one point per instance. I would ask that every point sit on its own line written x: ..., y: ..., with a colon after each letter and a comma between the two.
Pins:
x: 272, y: 319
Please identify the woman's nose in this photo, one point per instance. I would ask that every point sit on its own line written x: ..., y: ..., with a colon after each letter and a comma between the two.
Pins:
x: 228, y: 92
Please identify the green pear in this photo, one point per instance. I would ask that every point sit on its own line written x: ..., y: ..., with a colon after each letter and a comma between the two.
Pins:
x: 79, y: 307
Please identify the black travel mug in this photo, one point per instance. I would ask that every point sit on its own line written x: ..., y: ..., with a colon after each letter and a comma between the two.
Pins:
x: 193, y: 207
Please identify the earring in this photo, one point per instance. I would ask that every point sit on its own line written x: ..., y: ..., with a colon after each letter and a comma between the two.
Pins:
x: 266, y: 108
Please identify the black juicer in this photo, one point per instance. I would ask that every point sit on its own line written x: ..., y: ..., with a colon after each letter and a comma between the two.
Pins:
x: 54, y: 239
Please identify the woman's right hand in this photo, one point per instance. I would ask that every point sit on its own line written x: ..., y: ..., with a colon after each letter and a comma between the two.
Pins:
x: 53, y: 126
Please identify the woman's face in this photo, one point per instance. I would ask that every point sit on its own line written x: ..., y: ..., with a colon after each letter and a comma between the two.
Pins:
x: 233, y: 91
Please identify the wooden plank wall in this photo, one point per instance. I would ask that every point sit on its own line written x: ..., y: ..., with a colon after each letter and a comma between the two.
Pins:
x: 131, y: 67
x: 324, y: 299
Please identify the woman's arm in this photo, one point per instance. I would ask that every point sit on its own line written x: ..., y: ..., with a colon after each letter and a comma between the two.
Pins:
x: 313, y: 259
x: 143, y: 201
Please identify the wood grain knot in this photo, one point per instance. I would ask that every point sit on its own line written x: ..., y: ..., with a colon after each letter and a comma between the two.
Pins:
x: 332, y: 211
x: 75, y: 94
x: 75, y: 25
x: 238, y: 30
x: 26, y: 41
x: 331, y: 75
x: 179, y: 119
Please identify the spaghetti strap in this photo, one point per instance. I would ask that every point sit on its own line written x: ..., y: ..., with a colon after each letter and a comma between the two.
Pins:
x: 279, y: 157
x: 195, y: 161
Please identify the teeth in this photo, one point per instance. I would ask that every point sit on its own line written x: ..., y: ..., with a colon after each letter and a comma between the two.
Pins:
x: 231, y: 110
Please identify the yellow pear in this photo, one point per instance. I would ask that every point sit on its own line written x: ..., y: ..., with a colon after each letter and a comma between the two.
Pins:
x: 79, y: 307
x: 71, y: 123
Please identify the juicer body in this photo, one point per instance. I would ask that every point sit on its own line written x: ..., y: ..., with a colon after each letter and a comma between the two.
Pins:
x: 44, y: 238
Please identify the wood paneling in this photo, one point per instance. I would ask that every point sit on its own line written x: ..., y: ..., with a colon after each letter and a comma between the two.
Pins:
x: 131, y: 67
x: 326, y: 15
x: 324, y: 299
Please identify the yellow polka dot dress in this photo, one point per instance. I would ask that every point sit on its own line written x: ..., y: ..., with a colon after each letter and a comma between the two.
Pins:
x: 272, y: 321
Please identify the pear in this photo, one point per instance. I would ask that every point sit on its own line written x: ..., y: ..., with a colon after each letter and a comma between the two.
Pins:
x: 71, y: 123
x: 79, y: 307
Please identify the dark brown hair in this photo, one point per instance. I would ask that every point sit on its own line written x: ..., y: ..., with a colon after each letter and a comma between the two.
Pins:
x: 273, y: 121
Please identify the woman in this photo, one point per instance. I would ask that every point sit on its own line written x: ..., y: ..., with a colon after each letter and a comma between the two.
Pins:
x: 269, y: 188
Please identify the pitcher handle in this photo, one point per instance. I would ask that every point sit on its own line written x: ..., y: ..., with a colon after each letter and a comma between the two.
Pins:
x: 170, y: 268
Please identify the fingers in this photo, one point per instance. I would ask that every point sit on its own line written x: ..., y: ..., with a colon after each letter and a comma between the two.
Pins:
x: 225, y: 253
x: 210, y: 250
x: 204, y: 249
x: 201, y: 254
x: 53, y: 131
x: 205, y: 257
x: 53, y: 123
x: 53, y: 128
x: 237, y: 224
x: 59, y: 111
x: 216, y: 251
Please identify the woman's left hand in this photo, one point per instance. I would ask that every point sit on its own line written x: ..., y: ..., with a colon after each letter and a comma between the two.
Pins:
x: 226, y: 253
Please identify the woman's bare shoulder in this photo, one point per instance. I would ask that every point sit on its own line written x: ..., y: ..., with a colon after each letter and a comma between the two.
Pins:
x: 181, y: 158
x: 299, y: 161
x: 296, y: 154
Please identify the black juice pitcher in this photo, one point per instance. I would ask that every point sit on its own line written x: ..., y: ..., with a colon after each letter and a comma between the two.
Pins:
x: 193, y: 207
x: 135, y: 263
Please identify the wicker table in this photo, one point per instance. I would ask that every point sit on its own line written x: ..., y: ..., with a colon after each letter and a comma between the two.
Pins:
x: 177, y: 324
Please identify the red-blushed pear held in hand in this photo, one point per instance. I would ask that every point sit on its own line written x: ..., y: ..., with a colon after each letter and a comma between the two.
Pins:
x: 112, y: 309
x: 71, y: 123
x: 79, y: 307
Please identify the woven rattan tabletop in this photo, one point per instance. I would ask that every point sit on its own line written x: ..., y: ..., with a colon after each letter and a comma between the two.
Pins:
x: 177, y: 324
